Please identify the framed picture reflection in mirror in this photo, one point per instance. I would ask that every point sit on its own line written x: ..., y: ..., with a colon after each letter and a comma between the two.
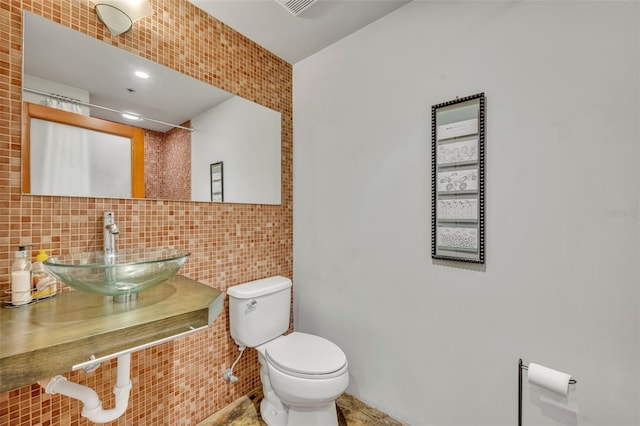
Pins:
x: 217, y: 193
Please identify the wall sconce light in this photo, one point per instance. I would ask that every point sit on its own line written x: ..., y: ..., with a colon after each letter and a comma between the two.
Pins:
x: 119, y: 15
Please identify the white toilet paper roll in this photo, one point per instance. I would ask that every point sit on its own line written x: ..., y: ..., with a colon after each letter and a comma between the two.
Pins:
x: 549, y: 379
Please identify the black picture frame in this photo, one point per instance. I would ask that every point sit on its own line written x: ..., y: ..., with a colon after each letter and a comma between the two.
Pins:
x: 458, y: 179
x: 217, y: 182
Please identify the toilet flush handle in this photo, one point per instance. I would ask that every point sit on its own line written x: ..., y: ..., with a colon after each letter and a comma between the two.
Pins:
x: 252, y: 304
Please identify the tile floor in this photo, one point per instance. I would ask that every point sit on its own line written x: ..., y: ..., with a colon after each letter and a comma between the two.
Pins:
x: 351, y: 412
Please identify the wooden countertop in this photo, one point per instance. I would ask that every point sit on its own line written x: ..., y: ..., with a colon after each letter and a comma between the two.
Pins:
x: 47, y: 338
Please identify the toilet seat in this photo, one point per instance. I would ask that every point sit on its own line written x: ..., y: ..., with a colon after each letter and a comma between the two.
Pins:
x: 306, y: 356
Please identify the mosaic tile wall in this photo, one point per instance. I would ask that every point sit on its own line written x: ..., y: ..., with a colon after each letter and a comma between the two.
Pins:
x: 176, y: 165
x: 153, y: 142
x: 167, y: 164
x: 178, y: 383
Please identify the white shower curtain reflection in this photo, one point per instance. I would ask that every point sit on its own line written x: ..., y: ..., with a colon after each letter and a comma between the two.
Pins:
x: 66, y: 149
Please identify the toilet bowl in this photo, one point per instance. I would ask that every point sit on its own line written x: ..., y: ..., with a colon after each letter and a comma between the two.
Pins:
x: 302, y: 374
x: 306, y: 373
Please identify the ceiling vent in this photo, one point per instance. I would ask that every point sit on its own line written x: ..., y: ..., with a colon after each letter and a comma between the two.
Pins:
x: 296, y: 7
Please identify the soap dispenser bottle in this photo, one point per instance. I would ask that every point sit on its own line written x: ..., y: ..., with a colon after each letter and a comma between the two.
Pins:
x: 21, y: 278
x: 44, y: 284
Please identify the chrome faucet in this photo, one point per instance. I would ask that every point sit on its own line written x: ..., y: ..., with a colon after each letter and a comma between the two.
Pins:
x: 110, y: 231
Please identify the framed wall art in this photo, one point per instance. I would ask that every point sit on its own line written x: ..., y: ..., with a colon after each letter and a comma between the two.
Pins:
x: 217, y: 193
x: 457, y: 179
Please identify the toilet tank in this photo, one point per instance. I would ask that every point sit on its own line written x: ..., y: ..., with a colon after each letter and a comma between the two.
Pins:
x: 259, y: 310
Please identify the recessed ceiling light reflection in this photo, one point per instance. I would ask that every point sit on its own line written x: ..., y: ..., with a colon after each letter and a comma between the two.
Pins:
x: 130, y: 117
x: 141, y: 74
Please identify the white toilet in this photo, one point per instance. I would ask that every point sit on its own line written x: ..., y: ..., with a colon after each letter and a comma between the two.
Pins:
x: 302, y: 374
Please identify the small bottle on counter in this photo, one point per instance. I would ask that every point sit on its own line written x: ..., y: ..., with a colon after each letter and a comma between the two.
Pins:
x: 44, y: 284
x: 21, y: 278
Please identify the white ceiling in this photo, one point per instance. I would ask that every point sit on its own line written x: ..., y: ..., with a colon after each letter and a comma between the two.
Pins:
x: 294, y: 38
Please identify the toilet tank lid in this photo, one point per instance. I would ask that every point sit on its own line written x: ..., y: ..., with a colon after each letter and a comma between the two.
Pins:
x: 259, y: 288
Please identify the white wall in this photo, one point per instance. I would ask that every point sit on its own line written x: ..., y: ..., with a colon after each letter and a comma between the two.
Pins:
x: 245, y: 136
x: 435, y: 343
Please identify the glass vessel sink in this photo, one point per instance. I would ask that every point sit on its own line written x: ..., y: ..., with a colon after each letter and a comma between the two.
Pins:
x: 119, y: 273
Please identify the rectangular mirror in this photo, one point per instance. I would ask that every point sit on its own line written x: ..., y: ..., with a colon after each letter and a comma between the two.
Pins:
x: 186, y: 124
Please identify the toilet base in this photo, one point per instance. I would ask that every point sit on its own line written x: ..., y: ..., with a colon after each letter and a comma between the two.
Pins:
x: 271, y: 415
x: 297, y: 416
x: 321, y: 416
